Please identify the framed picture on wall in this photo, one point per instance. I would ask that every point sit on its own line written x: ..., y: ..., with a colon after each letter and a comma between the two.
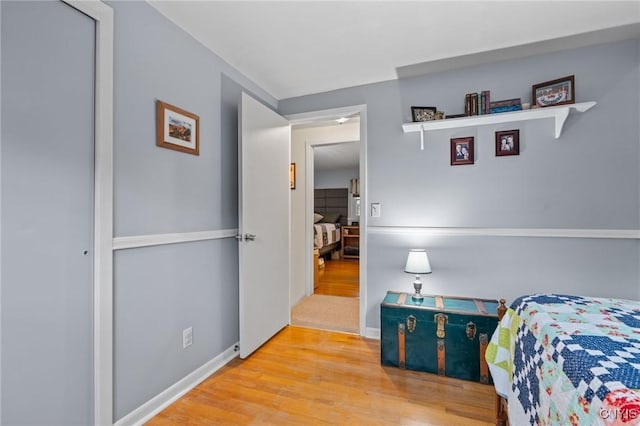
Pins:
x: 555, y: 92
x: 462, y: 151
x: 177, y: 129
x: 292, y: 175
x: 507, y: 142
x: 420, y: 113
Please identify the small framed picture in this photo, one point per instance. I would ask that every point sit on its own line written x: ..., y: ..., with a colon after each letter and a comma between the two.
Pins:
x: 508, y: 142
x: 555, y: 92
x: 292, y: 175
x: 420, y: 113
x: 177, y: 129
x: 462, y: 151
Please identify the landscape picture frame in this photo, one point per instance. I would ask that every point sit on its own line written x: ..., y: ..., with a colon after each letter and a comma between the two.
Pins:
x: 177, y: 129
x: 462, y: 151
x: 561, y: 91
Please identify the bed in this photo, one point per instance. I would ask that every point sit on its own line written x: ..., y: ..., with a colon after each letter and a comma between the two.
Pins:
x: 562, y: 359
x: 332, y: 204
x: 326, y: 237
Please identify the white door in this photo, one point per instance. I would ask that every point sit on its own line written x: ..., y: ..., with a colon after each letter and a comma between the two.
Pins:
x: 263, y: 223
x: 47, y: 197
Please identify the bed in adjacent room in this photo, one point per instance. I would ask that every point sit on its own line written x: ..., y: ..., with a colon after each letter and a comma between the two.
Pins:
x: 330, y: 213
x: 326, y: 237
x: 562, y: 360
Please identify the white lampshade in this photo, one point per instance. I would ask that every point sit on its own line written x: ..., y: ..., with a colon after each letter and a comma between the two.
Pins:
x: 417, y: 262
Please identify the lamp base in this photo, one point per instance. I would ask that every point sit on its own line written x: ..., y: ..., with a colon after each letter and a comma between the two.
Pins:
x: 417, y: 286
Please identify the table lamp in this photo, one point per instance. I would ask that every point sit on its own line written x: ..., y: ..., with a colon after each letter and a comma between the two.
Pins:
x: 417, y: 263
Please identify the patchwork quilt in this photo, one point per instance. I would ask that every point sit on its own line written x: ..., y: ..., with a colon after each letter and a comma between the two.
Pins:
x: 568, y: 360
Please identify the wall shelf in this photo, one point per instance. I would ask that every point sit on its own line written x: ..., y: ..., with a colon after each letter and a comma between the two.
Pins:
x: 559, y: 113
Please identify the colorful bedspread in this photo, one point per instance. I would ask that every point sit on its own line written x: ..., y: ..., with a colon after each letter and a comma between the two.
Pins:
x: 562, y: 360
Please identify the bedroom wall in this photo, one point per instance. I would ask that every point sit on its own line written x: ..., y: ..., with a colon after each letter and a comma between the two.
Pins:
x: 161, y: 290
x: 336, y: 178
x: 588, y: 179
x: 300, y: 138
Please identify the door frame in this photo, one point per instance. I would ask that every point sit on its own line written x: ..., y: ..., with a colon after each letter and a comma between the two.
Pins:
x: 103, y: 209
x: 323, y: 115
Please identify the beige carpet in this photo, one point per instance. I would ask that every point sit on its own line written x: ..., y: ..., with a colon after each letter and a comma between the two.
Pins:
x: 327, y: 313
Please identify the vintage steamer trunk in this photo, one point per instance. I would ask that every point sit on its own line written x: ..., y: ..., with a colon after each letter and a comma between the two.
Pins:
x: 440, y: 334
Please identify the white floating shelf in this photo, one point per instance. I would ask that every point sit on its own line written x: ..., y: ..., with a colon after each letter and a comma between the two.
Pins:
x: 560, y: 113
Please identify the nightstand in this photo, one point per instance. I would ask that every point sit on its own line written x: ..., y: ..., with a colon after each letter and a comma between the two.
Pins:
x: 350, y: 242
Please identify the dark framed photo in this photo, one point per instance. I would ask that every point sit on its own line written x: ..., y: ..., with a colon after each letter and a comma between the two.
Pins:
x: 555, y: 92
x: 292, y: 175
x: 462, y: 151
x: 420, y: 113
x: 507, y: 142
x: 177, y: 129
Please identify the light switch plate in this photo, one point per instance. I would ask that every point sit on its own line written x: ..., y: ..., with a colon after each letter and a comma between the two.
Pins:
x: 375, y: 209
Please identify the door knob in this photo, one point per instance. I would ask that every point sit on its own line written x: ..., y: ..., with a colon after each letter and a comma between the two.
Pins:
x: 249, y: 237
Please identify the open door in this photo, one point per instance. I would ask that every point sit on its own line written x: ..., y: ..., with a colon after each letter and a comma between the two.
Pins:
x: 263, y: 223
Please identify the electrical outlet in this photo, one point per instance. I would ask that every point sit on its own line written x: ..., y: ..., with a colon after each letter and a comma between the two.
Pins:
x: 187, y: 337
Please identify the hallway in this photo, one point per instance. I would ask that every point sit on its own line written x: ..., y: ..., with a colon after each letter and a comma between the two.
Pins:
x: 339, y: 277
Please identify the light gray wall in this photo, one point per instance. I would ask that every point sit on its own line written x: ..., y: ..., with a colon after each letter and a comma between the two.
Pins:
x: 586, y: 179
x: 186, y: 287
x: 156, y: 189
x: 336, y: 178
x: 159, y: 291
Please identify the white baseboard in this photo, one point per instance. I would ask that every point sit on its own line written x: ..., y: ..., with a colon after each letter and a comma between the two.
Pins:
x: 161, y: 401
x: 372, y: 333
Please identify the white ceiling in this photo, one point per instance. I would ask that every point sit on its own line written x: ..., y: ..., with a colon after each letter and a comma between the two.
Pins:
x: 336, y: 156
x: 294, y: 48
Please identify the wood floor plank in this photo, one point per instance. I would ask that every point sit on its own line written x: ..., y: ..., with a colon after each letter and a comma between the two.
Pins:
x: 312, y: 377
x: 339, y: 277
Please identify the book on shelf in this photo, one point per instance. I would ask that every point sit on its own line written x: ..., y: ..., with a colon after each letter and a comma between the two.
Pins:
x: 506, y: 108
x: 505, y: 103
x: 477, y: 103
x: 486, y: 94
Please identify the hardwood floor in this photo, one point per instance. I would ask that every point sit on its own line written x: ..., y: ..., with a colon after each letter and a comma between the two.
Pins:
x: 339, y: 278
x: 305, y: 377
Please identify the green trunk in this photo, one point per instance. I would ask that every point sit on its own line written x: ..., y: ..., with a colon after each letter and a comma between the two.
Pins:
x: 464, y: 325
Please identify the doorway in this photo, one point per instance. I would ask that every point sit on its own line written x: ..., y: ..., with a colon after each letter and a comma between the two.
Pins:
x: 329, y: 159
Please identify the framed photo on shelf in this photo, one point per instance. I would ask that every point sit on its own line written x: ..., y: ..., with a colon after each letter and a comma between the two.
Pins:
x: 292, y: 175
x: 555, y: 92
x: 177, y: 129
x: 507, y: 142
x: 462, y: 151
x: 419, y: 113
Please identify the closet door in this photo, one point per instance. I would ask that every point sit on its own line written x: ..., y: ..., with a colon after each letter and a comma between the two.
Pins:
x: 47, y: 198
